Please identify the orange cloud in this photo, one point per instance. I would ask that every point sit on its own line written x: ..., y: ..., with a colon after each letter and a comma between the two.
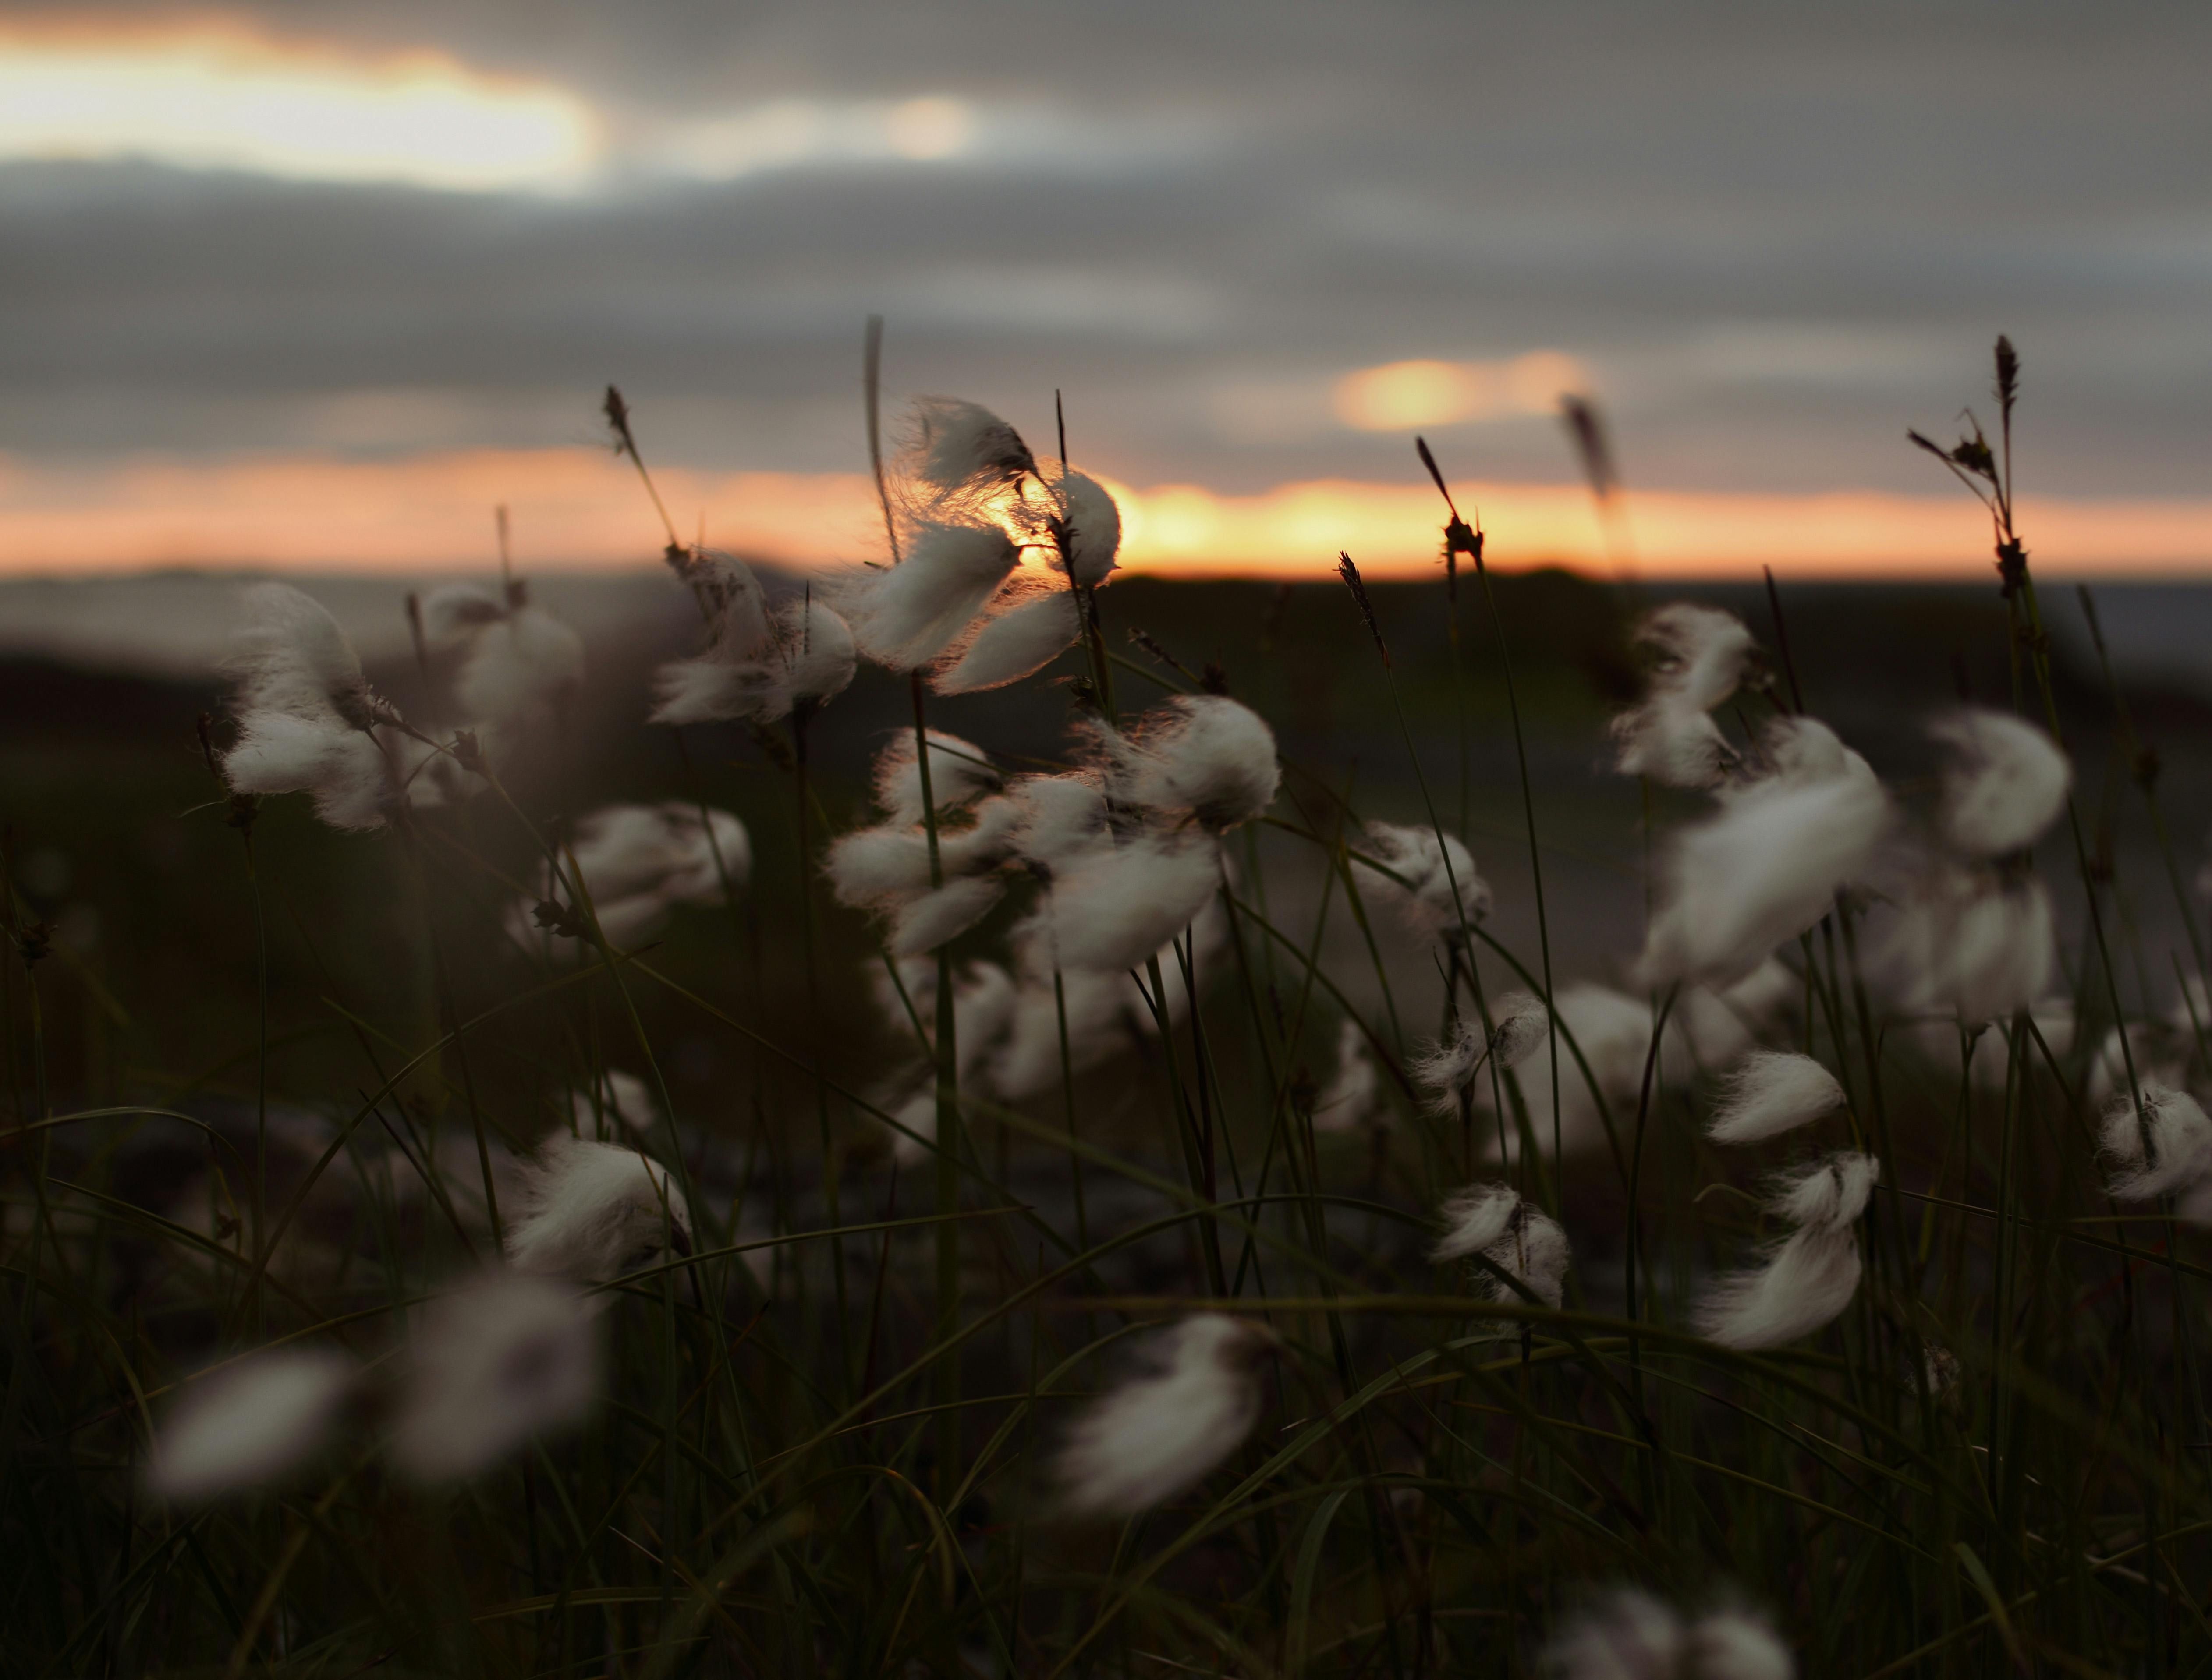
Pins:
x: 583, y: 508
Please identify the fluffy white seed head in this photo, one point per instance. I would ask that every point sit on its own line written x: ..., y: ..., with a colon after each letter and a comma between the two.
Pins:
x: 1770, y: 1092
x: 1453, y: 1068
x: 1831, y: 1194
x: 739, y: 627
x: 1799, y: 751
x: 1974, y: 945
x: 1804, y: 1286
x: 504, y: 1359
x: 907, y: 615
x: 1701, y: 652
x: 1062, y: 817
x: 348, y: 772
x: 1628, y: 1634
x: 453, y: 614
x: 959, y: 774
x: 2006, y: 783
x: 804, y: 655
x: 933, y: 919
x: 663, y: 849
x: 592, y: 1212
x: 250, y: 1423
x: 1093, y: 527
x: 953, y: 446
x: 1521, y: 1024
x: 1012, y: 644
x: 1199, y: 752
x: 1718, y: 1025
x: 1763, y: 870
x: 287, y: 654
x: 819, y: 656
x: 1514, y: 1236
x: 1671, y: 742
x: 1614, y: 1032
x: 1110, y: 910
x: 1437, y: 886
x: 522, y: 669
x: 1350, y: 1101
x: 1156, y: 1434
x: 2179, y: 1157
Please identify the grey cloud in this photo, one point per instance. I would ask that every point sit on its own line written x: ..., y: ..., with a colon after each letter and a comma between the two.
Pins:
x: 1778, y: 236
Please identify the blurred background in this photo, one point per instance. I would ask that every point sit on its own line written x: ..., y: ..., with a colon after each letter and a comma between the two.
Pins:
x: 308, y: 289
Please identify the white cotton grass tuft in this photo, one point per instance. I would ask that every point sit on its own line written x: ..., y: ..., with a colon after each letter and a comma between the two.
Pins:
x: 523, y: 669
x: 1515, y: 1236
x: 1763, y: 870
x: 251, y: 1423
x: 984, y: 1001
x: 305, y: 713
x: 1089, y: 533
x: 953, y: 446
x: 1807, y: 1280
x: 1352, y: 1099
x: 802, y: 655
x: 504, y: 1359
x: 619, y: 1097
x: 1014, y: 643
x: 1108, y: 910
x: 1448, y: 1071
x: 1975, y: 944
x: 1670, y: 738
x: 2180, y: 1138
x: 960, y: 773
x: 592, y: 1212
x: 1437, y: 889
x: 1770, y: 1092
x: 906, y: 615
x: 938, y: 916
x: 1200, y: 754
x: 2006, y: 783
x: 1628, y: 1634
x: 1060, y: 817
x: 639, y: 862
x: 1157, y: 1434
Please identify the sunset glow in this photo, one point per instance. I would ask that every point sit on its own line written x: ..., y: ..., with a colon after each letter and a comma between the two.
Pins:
x: 214, y: 97
x: 1400, y: 396
x: 581, y: 508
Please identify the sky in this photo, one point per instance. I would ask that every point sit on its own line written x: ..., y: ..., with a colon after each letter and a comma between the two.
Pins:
x: 318, y: 284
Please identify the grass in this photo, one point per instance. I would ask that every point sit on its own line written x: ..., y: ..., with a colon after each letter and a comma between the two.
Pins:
x: 836, y: 1454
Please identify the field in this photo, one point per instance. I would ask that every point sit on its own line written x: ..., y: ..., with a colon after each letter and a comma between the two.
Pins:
x: 1832, y: 1277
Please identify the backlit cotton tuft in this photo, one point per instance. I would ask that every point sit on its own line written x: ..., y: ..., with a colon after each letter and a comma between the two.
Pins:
x: 1518, y: 1237
x: 1197, y: 753
x: 504, y: 1359
x: 1628, y: 1634
x: 1155, y: 1435
x: 1770, y: 1092
x: 1437, y: 888
x: 592, y: 1211
x: 250, y: 1423
x: 2007, y: 782
x: 2179, y: 1157
x: 1809, y: 1278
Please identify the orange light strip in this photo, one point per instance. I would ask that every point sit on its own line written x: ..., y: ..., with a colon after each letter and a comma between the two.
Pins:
x: 580, y: 509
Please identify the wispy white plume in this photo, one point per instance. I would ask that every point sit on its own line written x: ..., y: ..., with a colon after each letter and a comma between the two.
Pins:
x: 1062, y: 817
x: 803, y: 654
x: 1670, y: 738
x: 1808, y: 1278
x: 2006, y: 783
x: 1763, y: 870
x: 620, y: 1096
x: 984, y: 1000
x: 907, y: 615
x: 2180, y: 1154
x: 1092, y: 526
x: 935, y: 918
x: 1614, y: 1032
x: 1628, y: 1634
x: 1197, y: 752
x: 639, y: 862
x: 1515, y: 1236
x: 1109, y: 910
x: 306, y: 714
x: 522, y: 669
x: 1973, y: 943
x: 959, y: 774
x: 1439, y: 882
x: 503, y: 1358
x: 592, y: 1211
x: 1770, y: 1092
x: 1717, y: 1027
x: 879, y: 866
x: 1024, y: 638
x: 1157, y: 1434
x: 455, y: 612
x: 1799, y: 751
x: 1349, y: 1103
x: 953, y: 446
x: 249, y: 1422
x: 1449, y: 1069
